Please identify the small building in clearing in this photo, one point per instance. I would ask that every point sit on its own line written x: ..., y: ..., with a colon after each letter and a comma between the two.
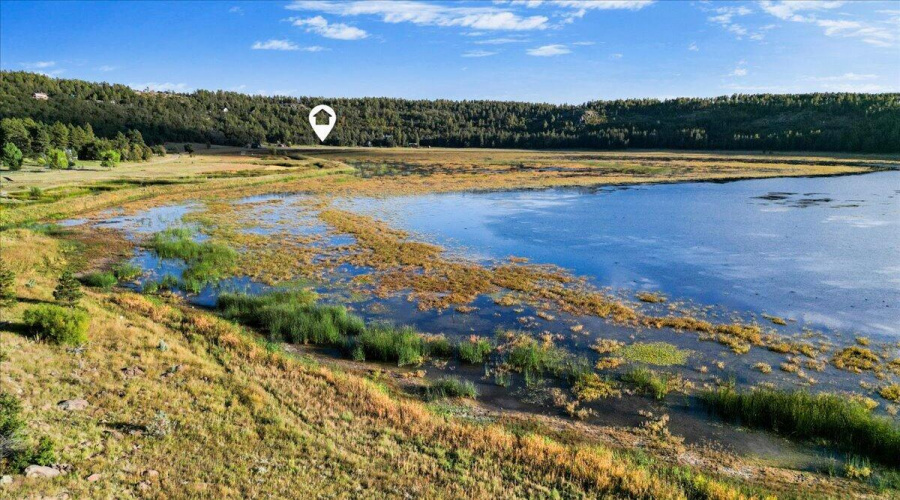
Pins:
x: 40, y: 96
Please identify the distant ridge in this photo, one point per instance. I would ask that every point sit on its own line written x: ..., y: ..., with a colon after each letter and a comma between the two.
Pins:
x: 836, y: 122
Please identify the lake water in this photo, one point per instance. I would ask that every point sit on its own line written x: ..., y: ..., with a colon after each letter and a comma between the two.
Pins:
x: 823, y: 251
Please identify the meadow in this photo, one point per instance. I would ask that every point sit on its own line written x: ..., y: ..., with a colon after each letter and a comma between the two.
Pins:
x: 169, y: 385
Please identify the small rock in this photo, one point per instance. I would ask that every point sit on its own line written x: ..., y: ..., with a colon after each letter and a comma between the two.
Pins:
x: 132, y: 371
x: 40, y: 471
x: 72, y: 405
x: 144, y: 485
x: 6, y: 480
x: 94, y: 478
x: 150, y: 473
x: 162, y: 346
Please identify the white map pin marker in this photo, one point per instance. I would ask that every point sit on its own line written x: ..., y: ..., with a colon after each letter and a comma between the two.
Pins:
x: 325, y: 113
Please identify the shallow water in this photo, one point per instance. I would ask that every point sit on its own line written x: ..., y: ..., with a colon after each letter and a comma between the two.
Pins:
x: 823, y: 251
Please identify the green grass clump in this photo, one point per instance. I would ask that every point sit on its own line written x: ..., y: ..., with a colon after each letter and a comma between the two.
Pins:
x: 799, y: 414
x: 60, y: 325
x: 655, y: 353
x: 293, y: 317
x: 437, y: 346
x: 104, y: 280
x: 207, y: 262
x: 451, y: 387
x: 649, y: 382
x: 384, y: 342
x: 475, y: 350
x: 126, y: 271
x: 15, y: 455
x: 534, y: 359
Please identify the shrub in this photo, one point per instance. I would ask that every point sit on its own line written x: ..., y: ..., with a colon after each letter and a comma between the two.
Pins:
x: 451, y: 387
x: 57, y: 159
x: 475, y: 350
x: 14, y: 455
x: 7, y: 285
x: 57, y: 324
x: 799, y: 414
x: 384, y: 342
x: 104, y: 280
x: 12, y: 156
x: 68, y: 290
x: 109, y: 158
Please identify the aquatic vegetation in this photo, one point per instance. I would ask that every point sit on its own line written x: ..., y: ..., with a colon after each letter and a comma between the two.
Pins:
x: 207, y: 262
x: 126, y: 271
x: 57, y: 324
x: 451, y: 387
x: 293, y: 317
x: 607, y: 346
x: 100, y: 279
x: 857, y: 468
x: 856, y: 359
x: 609, y: 363
x: 437, y: 346
x: 651, y: 297
x: 591, y: 387
x: 533, y: 359
x: 475, y: 350
x: 762, y: 367
x: 655, y: 353
x: 802, y: 415
x: 647, y: 381
x: 890, y: 392
x: 775, y: 319
x: 384, y: 342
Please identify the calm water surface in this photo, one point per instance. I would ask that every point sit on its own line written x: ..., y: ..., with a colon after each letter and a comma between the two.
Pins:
x: 823, y: 251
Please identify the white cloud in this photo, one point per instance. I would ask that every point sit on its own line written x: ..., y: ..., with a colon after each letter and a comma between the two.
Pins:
x: 275, y: 45
x: 106, y: 68
x: 337, y: 31
x: 584, y: 43
x: 160, y: 87
x: 236, y: 10
x: 427, y: 14
x: 479, y: 53
x: 39, y: 64
x: 883, y: 33
x: 693, y: 47
x: 846, y: 77
x: 738, y: 72
x: 616, y: 56
x: 499, y: 41
x: 549, y: 50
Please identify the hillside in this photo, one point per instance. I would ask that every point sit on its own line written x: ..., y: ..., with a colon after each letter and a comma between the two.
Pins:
x: 841, y: 122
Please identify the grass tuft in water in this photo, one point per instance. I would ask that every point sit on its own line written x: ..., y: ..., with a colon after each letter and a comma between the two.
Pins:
x: 385, y: 342
x: 649, y: 382
x: 207, y: 262
x: 655, y: 353
x: 103, y: 280
x: 475, y: 350
x: 451, y: 387
x: 842, y: 421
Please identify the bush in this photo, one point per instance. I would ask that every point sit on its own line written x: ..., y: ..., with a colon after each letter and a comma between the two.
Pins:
x: 12, y: 156
x: 475, y: 350
x: 109, y: 158
x: 104, y: 280
x: 60, y: 325
x: 451, y: 387
x: 57, y: 159
x: 383, y: 342
x: 842, y: 421
x: 14, y: 455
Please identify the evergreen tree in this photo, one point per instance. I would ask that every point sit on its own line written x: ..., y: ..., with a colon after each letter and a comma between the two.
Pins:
x: 68, y: 291
x: 7, y: 285
x: 12, y: 156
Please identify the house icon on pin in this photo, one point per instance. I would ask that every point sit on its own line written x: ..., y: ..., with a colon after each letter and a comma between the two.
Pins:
x: 322, y: 119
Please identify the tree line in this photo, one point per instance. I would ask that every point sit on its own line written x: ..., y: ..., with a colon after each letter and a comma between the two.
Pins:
x: 841, y: 122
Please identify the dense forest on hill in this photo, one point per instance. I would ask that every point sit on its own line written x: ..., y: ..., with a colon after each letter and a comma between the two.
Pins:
x: 803, y: 122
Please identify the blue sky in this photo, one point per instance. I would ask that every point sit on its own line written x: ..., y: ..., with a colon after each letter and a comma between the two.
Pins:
x: 551, y: 50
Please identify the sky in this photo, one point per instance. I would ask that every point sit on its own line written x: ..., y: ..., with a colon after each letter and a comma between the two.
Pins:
x: 557, y: 51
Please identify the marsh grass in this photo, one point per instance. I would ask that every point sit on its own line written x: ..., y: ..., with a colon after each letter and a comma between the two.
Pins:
x: 647, y: 381
x: 801, y: 415
x: 655, y: 353
x: 126, y: 271
x: 534, y: 359
x: 451, y: 387
x: 207, y: 262
x: 292, y: 317
x: 104, y: 280
x: 385, y: 342
x: 475, y: 350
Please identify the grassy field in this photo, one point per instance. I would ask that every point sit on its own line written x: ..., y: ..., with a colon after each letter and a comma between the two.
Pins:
x: 184, y: 403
